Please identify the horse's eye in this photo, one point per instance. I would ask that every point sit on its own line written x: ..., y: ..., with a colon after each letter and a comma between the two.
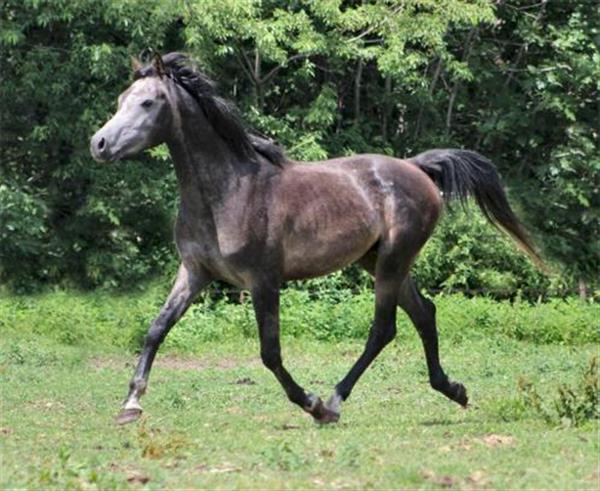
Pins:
x: 147, y: 103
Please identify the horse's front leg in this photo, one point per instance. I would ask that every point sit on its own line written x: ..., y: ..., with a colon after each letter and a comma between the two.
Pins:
x: 265, y: 299
x: 186, y: 287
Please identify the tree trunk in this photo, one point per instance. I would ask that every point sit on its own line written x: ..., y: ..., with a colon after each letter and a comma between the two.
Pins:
x: 455, y: 87
x: 387, y: 107
x: 258, y: 95
x: 582, y: 287
x: 434, y: 80
x: 357, y: 86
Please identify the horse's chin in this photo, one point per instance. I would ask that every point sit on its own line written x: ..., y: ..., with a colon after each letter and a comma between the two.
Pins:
x: 114, y: 157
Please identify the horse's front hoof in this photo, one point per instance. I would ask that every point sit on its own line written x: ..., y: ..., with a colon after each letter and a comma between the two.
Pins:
x: 128, y: 416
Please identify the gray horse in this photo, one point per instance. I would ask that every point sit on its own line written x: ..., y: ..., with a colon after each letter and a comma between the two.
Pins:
x: 253, y: 218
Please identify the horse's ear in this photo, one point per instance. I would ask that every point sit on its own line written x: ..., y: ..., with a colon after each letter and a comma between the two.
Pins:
x: 136, y: 64
x: 159, y: 65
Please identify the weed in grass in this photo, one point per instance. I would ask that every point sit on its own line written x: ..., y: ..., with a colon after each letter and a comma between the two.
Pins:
x: 64, y: 471
x: 509, y: 409
x: 283, y: 457
x: 574, y: 405
x: 155, y: 444
x: 19, y: 353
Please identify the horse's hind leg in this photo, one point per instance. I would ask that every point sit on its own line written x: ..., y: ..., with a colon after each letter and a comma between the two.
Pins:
x: 186, y: 287
x: 421, y: 311
x: 392, y: 265
x: 422, y: 314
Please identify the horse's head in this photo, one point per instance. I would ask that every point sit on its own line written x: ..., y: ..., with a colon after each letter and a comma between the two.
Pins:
x: 142, y: 120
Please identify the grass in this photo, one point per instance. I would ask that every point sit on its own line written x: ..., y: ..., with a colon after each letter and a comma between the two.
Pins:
x: 215, y: 418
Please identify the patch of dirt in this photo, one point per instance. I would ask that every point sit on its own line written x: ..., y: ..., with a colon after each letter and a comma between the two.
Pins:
x: 218, y: 469
x: 445, y: 481
x: 133, y: 476
x: 290, y: 426
x: 477, y: 480
x: 461, y: 445
x: 5, y: 430
x: 173, y: 362
x: 136, y: 477
x: 491, y: 441
x: 594, y: 476
x: 494, y: 441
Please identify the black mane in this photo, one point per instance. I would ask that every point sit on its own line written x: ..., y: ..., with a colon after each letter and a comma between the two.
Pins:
x: 221, y: 114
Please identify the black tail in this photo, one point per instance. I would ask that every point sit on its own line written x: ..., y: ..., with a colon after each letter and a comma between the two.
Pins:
x: 461, y: 174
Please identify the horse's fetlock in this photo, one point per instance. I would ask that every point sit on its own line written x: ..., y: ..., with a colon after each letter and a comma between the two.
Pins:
x: 138, y: 385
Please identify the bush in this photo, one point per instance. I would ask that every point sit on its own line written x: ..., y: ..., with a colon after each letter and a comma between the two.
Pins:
x: 22, y: 237
x: 95, y: 319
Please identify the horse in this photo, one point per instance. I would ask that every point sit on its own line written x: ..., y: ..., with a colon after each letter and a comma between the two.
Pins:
x: 254, y: 218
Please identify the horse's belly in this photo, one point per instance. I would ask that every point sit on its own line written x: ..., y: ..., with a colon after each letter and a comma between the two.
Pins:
x: 315, y: 252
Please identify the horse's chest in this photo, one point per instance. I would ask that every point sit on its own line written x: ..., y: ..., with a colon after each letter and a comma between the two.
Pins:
x: 216, y: 249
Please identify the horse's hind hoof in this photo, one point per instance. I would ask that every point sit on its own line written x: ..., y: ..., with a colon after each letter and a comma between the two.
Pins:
x: 321, y: 413
x: 460, y: 395
x: 128, y: 416
x: 326, y: 417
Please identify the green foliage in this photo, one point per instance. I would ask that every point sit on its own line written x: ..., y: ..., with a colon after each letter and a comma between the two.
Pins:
x: 337, y: 314
x: 515, y: 80
x: 467, y: 254
x: 64, y: 217
x: 22, y: 234
x: 572, y: 405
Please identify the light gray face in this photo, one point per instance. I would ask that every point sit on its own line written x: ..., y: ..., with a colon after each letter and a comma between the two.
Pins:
x: 142, y: 120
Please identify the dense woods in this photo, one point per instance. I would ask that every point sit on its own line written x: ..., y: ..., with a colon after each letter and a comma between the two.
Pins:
x: 516, y: 80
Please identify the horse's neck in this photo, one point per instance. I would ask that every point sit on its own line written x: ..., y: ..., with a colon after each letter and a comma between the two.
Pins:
x: 208, y: 172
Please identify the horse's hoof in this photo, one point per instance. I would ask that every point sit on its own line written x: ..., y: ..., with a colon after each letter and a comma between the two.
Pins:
x: 128, y: 416
x: 320, y: 412
x: 460, y: 395
x: 324, y: 414
x: 327, y: 416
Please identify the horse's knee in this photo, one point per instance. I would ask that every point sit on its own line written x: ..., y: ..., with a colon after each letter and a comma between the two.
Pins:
x: 138, y: 385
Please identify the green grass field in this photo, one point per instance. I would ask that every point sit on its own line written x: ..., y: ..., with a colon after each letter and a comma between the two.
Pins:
x: 215, y: 418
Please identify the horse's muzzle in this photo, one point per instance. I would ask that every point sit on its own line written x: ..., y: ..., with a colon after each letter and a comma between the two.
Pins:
x: 100, y: 149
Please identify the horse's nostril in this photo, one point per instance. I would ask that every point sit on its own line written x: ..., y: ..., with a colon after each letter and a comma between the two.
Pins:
x: 101, y: 143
